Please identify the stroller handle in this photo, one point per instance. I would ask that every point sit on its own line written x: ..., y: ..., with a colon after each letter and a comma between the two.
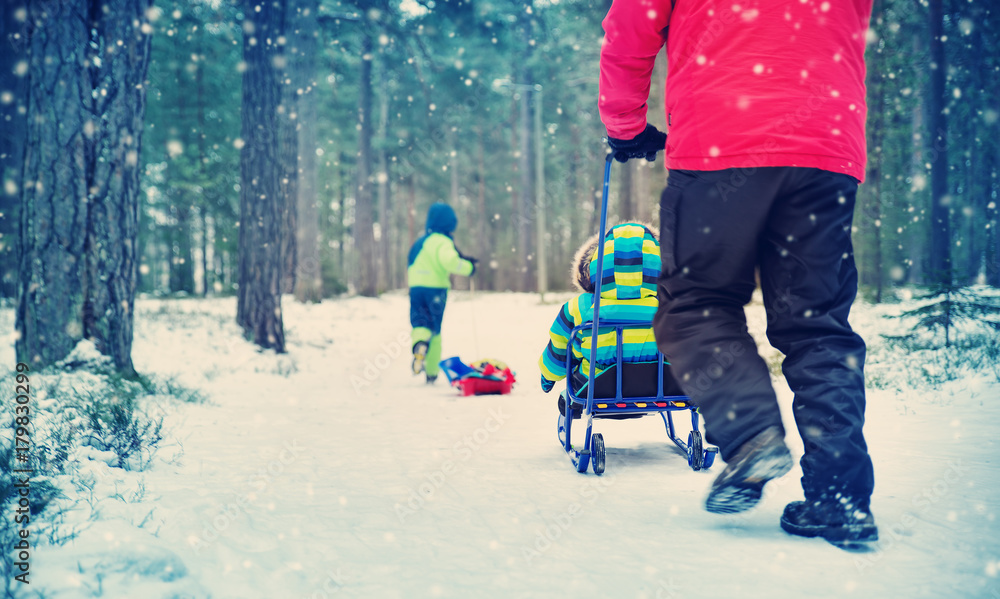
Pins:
x: 600, y: 270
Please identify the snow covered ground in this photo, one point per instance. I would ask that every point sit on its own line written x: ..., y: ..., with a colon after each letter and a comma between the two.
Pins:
x: 332, y: 472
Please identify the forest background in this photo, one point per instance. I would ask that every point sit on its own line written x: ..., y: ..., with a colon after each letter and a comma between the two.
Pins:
x: 333, y: 125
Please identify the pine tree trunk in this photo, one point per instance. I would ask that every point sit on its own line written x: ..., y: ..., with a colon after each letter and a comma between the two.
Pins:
x: 258, y: 309
x: 364, y: 218
x: 384, y: 210
x: 181, y: 264
x: 411, y: 210
x: 14, y: 38
x: 342, y: 215
x: 399, y: 249
x: 940, y: 264
x: 973, y: 254
x: 80, y: 199
x: 309, y: 282
x: 183, y: 268
x: 993, y: 258
x: 510, y: 275
x: 288, y: 127
x: 525, y: 218
x: 385, y: 218
x: 977, y: 187
x: 595, y: 216
x: 981, y: 64
x: 199, y: 81
x: 205, y: 279
x: 876, y: 153
x: 918, y: 236
x: 575, y: 205
x: 453, y: 186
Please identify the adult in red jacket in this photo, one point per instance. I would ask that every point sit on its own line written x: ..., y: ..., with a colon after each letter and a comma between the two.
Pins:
x: 765, y: 103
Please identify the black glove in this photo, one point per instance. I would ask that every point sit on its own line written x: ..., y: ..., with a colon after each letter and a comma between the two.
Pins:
x: 474, y: 261
x: 645, y: 145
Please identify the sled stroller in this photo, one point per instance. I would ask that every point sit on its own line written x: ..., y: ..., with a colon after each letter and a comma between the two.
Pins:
x: 595, y: 397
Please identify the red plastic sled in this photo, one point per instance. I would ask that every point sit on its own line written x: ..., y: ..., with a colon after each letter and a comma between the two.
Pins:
x: 485, y: 377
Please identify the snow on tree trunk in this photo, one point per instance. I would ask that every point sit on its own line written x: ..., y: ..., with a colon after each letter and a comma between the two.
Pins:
x: 87, y: 100
x: 259, y: 301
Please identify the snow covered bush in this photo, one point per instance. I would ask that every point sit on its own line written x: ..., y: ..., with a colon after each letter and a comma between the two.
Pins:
x: 116, y: 425
x: 85, y: 419
x: 83, y: 401
x: 954, y: 315
x: 938, y: 338
x: 42, y: 494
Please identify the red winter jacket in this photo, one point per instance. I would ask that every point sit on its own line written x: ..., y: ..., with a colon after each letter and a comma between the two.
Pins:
x: 750, y: 82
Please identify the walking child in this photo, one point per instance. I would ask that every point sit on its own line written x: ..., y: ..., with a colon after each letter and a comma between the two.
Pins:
x: 432, y: 259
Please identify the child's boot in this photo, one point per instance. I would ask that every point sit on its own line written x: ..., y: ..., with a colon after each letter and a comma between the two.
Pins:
x: 419, y: 356
x: 432, y: 358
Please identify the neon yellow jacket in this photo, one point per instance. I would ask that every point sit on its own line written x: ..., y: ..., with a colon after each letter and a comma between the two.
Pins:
x: 436, y: 258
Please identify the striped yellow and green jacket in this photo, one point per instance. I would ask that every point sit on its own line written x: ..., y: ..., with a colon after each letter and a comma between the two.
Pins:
x: 628, y: 293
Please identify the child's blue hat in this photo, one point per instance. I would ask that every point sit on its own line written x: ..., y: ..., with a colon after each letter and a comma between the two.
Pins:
x: 441, y: 219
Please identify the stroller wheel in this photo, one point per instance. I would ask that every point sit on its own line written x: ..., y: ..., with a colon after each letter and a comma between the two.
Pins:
x: 696, y: 452
x: 597, y: 449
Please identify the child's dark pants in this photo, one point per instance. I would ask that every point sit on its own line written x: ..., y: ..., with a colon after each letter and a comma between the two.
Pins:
x: 795, y: 225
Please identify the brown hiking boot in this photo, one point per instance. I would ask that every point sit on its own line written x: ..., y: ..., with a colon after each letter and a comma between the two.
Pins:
x: 741, y: 484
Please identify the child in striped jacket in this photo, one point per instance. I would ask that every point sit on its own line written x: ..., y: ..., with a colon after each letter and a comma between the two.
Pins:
x: 628, y: 293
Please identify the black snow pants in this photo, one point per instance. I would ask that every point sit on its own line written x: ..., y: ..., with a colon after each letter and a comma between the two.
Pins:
x: 794, y: 224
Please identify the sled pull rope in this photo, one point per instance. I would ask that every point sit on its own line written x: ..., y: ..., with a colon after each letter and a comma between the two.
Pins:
x: 472, y: 311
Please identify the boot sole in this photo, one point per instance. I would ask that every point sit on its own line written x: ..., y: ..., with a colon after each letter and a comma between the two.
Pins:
x: 745, y: 486
x: 847, y: 537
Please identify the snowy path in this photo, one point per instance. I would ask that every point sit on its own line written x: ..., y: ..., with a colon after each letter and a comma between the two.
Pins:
x: 332, y: 472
